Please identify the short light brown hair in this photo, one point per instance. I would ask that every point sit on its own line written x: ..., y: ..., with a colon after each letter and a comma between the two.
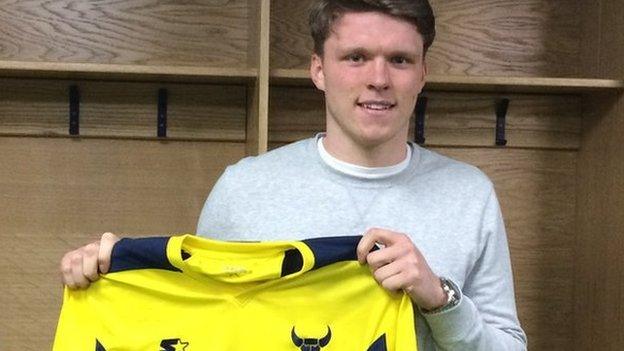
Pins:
x: 323, y: 14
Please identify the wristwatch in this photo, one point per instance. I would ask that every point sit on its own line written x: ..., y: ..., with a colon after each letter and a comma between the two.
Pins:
x: 452, y: 296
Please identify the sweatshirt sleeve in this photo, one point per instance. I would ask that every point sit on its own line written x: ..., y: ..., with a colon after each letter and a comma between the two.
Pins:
x: 215, y: 215
x: 485, y: 318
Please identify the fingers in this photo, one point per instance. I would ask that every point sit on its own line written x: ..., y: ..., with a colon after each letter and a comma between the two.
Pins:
x: 106, y: 249
x: 394, y: 283
x: 89, y: 269
x: 81, y: 280
x: 399, y: 265
x: 394, y: 271
x: 371, y: 238
x: 80, y: 267
x: 66, y: 271
x: 389, y: 276
x: 72, y: 268
x: 385, y: 256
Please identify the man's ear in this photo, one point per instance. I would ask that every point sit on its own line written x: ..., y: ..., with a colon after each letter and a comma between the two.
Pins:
x: 316, y: 72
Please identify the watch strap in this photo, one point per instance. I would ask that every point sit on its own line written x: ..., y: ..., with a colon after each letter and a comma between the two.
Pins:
x: 452, y: 297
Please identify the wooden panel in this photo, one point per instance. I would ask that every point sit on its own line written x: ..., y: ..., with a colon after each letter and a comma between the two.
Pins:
x: 459, y: 119
x: 34, y: 107
x: 291, y: 44
x: 116, y: 109
x: 509, y: 37
x: 480, y: 38
x: 151, y: 32
x: 590, y: 40
x: 612, y: 39
x: 58, y: 194
x: 599, y: 292
x: 532, y: 120
x: 536, y: 192
x: 599, y: 288
x: 296, y: 113
x: 258, y: 108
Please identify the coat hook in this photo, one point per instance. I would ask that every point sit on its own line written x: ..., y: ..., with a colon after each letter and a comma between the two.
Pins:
x: 421, y: 108
x: 501, y: 115
x: 162, y: 113
x: 74, y: 110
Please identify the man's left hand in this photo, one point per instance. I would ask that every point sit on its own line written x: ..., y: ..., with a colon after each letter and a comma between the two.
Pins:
x: 399, y: 265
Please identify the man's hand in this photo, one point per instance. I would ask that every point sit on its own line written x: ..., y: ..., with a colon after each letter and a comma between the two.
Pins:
x: 80, y: 267
x: 399, y: 265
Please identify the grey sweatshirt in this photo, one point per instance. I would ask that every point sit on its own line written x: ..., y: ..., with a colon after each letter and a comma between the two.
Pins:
x: 449, y: 210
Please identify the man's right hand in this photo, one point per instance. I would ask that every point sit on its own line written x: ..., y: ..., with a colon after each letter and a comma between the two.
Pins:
x: 82, y: 266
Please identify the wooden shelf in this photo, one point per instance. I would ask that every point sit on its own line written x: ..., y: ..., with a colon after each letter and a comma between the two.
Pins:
x: 116, y: 72
x: 522, y: 84
x: 290, y: 77
x: 300, y: 77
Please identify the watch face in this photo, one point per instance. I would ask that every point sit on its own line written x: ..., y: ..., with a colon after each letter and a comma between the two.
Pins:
x: 453, y: 295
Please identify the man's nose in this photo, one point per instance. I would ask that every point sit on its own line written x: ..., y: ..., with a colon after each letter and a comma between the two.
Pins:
x: 379, y: 78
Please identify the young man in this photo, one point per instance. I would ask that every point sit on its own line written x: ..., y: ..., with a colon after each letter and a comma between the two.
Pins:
x: 437, y: 220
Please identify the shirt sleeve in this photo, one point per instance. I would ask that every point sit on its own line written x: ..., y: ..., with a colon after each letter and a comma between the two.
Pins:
x: 485, y: 318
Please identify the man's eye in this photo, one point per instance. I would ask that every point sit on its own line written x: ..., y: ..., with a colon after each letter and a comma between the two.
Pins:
x: 400, y: 60
x: 355, y: 58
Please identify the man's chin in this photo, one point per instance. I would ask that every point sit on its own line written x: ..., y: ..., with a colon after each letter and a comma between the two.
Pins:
x: 373, y: 140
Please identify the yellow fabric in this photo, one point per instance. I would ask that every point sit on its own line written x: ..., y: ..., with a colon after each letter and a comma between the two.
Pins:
x: 230, y: 296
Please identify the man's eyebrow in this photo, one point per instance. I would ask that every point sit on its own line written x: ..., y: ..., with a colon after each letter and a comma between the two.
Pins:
x: 399, y: 52
x: 353, y: 48
x: 406, y: 53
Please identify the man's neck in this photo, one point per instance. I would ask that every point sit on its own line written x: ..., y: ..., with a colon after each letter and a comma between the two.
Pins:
x: 385, y: 155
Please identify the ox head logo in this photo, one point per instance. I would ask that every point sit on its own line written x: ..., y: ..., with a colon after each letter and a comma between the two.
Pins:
x: 309, y: 344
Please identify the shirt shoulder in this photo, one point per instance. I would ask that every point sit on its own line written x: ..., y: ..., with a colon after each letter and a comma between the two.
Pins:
x: 288, y: 159
x: 451, y: 178
x: 431, y: 161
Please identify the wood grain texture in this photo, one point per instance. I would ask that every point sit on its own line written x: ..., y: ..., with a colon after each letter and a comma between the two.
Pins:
x: 599, y: 276
x: 590, y: 39
x: 507, y: 37
x: 458, y: 119
x: 536, y: 190
x: 612, y: 39
x: 58, y: 194
x: 150, y: 32
x: 599, y: 270
x: 258, y: 105
x: 125, y: 72
x: 534, y: 38
x: 117, y: 109
x: 291, y: 44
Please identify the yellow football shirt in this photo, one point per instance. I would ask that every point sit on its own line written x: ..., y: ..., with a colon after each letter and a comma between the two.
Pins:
x: 190, y: 293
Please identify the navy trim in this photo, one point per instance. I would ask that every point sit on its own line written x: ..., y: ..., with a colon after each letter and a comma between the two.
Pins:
x: 334, y: 249
x: 293, y: 262
x: 142, y: 253
x: 379, y: 344
x: 98, y: 346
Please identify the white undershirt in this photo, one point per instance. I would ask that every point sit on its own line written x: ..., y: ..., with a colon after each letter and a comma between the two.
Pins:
x: 360, y: 171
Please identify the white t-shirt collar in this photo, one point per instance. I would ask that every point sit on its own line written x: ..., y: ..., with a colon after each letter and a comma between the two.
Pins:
x: 361, y: 171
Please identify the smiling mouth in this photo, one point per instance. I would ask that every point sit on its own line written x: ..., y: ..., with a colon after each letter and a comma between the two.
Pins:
x: 376, y: 105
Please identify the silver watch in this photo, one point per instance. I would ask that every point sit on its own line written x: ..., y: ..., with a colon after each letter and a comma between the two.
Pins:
x: 452, y: 296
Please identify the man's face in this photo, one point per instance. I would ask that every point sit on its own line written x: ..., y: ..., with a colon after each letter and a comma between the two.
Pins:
x: 372, y: 71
